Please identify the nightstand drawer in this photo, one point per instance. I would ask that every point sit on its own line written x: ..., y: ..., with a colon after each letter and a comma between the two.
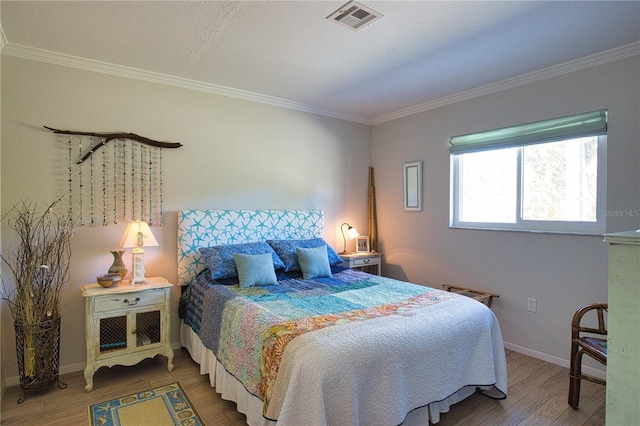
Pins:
x: 122, y: 301
x: 365, y: 262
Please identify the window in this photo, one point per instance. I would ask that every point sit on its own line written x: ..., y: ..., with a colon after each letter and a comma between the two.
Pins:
x: 543, y: 176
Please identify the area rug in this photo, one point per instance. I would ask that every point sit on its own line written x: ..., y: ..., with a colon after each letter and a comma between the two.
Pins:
x: 165, y: 405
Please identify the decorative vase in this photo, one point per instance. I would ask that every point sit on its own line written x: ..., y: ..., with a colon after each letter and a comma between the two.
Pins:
x: 38, y: 350
x: 118, y: 266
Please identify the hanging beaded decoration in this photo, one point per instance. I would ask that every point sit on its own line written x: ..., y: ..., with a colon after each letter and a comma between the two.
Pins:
x: 104, y: 187
x: 124, y: 178
x: 147, y: 186
x: 115, y: 182
x: 150, y: 174
x: 133, y: 182
x: 91, y: 206
x: 142, y: 181
x: 80, y: 192
x: 70, y: 169
x: 141, y: 192
x: 161, y: 192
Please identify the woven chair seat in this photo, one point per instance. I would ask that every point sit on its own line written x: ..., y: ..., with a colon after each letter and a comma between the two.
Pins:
x: 598, y: 346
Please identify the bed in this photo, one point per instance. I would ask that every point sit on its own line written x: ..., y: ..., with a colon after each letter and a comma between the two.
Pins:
x: 292, y: 337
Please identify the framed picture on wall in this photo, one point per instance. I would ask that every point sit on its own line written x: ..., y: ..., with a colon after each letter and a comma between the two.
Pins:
x: 412, y: 177
x: 362, y: 244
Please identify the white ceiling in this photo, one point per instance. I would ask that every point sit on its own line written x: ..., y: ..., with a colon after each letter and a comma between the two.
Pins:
x: 286, y: 52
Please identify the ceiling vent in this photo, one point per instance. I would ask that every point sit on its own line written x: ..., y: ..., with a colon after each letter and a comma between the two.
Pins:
x: 354, y: 15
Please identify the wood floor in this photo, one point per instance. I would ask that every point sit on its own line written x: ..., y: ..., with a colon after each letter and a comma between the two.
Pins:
x: 537, y: 396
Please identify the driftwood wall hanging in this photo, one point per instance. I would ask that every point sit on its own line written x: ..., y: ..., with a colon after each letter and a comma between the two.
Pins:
x: 114, y: 176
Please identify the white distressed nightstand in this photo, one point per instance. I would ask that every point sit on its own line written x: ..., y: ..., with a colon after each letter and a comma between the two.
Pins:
x: 363, y: 261
x: 125, y: 324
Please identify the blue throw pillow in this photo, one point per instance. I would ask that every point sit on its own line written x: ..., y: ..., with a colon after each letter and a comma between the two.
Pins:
x: 255, y: 269
x: 220, y: 261
x: 314, y: 262
x: 286, y: 250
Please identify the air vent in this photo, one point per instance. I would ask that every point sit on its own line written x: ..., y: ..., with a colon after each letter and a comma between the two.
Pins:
x: 354, y: 15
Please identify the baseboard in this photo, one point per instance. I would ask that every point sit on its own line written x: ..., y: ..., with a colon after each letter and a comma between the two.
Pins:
x: 71, y: 368
x: 601, y: 374
x: 65, y: 369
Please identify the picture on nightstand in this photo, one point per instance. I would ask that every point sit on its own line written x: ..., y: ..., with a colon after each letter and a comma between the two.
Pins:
x: 362, y: 244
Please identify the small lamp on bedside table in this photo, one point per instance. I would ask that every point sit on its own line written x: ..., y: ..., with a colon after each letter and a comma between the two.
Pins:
x: 137, y: 235
x: 352, y: 234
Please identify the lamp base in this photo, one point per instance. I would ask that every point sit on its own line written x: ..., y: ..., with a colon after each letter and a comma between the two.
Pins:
x: 137, y: 281
x: 137, y: 266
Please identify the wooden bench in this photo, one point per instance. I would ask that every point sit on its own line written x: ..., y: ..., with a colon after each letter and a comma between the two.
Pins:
x: 480, y: 296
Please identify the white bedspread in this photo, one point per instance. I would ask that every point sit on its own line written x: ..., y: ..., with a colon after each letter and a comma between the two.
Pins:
x: 397, y: 368
x: 402, y: 363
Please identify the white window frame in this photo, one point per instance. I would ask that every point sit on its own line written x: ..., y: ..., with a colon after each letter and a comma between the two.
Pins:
x: 564, y: 227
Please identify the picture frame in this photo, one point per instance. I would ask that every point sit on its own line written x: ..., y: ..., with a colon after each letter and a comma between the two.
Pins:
x: 412, y: 179
x: 362, y: 244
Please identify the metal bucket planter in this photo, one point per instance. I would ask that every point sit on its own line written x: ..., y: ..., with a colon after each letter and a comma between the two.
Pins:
x: 38, y: 349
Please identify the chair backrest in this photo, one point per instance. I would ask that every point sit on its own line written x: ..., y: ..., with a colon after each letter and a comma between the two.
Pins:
x: 577, y: 328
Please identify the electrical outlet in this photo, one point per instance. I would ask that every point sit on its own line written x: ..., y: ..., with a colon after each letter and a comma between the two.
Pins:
x: 532, y: 304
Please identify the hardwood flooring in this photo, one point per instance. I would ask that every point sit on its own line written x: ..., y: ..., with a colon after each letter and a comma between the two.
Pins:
x: 537, y: 396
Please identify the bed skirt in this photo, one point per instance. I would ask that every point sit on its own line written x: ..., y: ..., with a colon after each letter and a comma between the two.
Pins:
x: 251, y: 406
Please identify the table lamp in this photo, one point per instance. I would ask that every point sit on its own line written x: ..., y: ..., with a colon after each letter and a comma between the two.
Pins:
x: 137, y: 235
x: 352, y: 234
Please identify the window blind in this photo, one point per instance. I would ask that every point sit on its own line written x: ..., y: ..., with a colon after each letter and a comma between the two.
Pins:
x: 575, y: 126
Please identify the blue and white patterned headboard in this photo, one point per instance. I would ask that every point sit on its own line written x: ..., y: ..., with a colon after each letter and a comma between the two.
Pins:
x: 205, y: 228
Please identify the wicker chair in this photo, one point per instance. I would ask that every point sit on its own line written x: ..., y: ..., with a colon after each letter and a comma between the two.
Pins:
x: 586, y: 340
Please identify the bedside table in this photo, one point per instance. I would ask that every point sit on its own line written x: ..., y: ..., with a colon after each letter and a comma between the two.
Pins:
x: 125, y: 324
x: 363, y: 261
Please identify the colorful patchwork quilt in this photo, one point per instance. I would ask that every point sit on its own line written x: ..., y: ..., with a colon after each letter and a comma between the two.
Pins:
x: 261, y: 321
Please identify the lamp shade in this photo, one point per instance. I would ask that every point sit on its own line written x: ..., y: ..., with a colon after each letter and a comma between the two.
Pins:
x: 138, y: 234
x: 353, y: 233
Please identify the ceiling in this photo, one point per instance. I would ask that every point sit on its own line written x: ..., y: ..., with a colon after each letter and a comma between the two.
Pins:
x: 420, y: 54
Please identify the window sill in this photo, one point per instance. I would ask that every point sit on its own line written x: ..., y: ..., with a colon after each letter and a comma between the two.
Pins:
x: 530, y: 231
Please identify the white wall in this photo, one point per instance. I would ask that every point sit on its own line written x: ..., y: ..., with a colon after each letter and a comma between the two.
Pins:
x: 236, y: 154
x: 563, y: 272
x: 239, y: 154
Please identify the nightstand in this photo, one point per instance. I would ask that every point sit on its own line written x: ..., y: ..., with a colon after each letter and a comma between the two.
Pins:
x: 363, y: 261
x: 125, y: 324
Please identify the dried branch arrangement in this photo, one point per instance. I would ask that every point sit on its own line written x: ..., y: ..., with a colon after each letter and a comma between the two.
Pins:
x: 38, y: 266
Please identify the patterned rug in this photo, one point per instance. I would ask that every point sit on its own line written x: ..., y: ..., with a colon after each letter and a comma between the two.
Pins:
x: 164, y: 405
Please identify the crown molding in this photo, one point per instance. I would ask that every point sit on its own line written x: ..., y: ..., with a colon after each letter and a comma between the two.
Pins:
x: 545, y: 73
x: 27, y: 52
